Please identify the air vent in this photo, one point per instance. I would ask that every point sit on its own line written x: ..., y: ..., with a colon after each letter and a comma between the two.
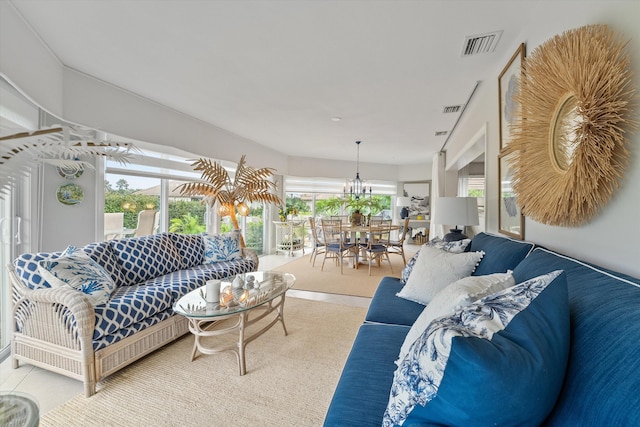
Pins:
x: 482, y: 43
x: 452, y: 109
x: 441, y: 133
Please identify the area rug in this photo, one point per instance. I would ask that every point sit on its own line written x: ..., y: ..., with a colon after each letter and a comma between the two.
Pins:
x: 352, y: 281
x: 290, y: 379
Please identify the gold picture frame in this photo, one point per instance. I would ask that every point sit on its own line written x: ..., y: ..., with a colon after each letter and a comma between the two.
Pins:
x: 510, y: 218
x: 508, y: 82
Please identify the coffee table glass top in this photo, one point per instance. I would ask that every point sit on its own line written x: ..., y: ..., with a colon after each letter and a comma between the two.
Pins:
x: 260, y: 288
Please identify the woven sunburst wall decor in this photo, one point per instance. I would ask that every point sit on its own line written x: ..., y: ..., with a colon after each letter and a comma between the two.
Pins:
x: 569, y: 139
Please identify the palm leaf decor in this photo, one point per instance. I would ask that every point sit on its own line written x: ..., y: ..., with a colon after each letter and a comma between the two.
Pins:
x: 248, y: 185
x: 59, y: 146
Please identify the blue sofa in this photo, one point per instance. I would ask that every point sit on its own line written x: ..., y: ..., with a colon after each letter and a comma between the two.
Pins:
x: 603, y: 372
x: 67, y: 331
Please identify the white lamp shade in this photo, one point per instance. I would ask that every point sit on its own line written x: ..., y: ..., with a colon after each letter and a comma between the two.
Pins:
x: 403, y: 201
x: 456, y: 211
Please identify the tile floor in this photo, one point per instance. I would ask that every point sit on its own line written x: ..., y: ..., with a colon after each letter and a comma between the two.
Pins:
x: 52, y: 390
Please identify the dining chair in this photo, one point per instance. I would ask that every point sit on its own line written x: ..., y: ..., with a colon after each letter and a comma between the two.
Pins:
x: 377, y: 245
x: 397, y: 246
x: 148, y: 221
x: 318, y: 241
x: 336, y: 245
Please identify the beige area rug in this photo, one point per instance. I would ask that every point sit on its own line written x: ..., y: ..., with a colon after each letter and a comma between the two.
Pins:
x: 353, y: 281
x: 290, y: 379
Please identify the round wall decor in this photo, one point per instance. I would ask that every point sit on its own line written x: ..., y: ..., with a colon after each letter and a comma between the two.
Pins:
x: 70, y: 194
x: 569, y: 136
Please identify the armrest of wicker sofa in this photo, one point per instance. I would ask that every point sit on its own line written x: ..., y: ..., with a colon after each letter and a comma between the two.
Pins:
x: 54, y: 327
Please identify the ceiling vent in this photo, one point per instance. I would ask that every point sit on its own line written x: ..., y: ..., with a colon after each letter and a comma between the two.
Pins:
x: 452, y: 109
x: 441, y: 133
x: 482, y: 43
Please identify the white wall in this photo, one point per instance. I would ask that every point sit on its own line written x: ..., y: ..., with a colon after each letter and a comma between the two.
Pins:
x: 28, y: 64
x: 610, y: 239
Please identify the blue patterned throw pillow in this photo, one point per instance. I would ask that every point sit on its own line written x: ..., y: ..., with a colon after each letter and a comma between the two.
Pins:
x: 76, y: 269
x: 498, y: 361
x: 222, y: 247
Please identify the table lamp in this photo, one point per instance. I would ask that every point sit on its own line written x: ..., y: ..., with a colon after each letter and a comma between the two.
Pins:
x: 403, y: 202
x: 458, y: 211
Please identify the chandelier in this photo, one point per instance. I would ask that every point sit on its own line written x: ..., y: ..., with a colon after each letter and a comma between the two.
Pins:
x: 357, y: 186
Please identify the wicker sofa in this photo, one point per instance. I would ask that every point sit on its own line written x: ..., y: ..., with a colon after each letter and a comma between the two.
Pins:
x: 61, y: 329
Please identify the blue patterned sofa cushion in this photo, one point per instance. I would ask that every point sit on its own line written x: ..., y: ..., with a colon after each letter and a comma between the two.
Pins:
x: 498, y: 361
x: 107, y: 340
x: 190, y: 247
x: 129, y: 305
x: 26, y: 266
x: 146, y: 257
x: 103, y: 254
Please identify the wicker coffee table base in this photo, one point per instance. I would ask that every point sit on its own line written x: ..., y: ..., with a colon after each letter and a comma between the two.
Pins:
x: 206, y: 327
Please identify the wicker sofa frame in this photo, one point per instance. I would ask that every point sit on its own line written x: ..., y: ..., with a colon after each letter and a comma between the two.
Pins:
x: 51, y: 340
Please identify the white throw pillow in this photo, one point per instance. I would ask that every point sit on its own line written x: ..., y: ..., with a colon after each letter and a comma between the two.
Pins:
x: 76, y: 269
x: 453, y: 297
x: 435, y: 269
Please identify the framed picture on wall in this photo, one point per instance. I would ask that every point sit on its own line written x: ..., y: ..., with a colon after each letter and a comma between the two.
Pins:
x: 510, y: 218
x: 507, y: 87
x: 420, y: 193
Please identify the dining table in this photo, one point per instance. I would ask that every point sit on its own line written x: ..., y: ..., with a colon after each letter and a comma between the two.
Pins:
x: 355, y: 235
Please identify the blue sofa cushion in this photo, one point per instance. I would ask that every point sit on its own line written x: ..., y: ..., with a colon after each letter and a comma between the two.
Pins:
x: 500, y: 361
x: 129, y: 305
x: 386, y: 307
x: 602, y: 379
x: 146, y: 257
x: 190, y: 247
x: 363, y: 390
x: 501, y: 253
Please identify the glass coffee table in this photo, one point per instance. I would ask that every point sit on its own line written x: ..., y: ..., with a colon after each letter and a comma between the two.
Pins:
x: 262, y: 294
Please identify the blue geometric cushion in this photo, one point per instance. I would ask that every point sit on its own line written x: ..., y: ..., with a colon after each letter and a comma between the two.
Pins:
x: 499, y: 361
x: 221, y: 247
x: 76, y: 269
x: 129, y: 305
x: 102, y: 253
x: 190, y: 247
x: 125, y: 332
x: 26, y: 266
x: 146, y: 257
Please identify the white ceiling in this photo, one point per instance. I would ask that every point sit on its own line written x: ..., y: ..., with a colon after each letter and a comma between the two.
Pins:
x: 276, y: 72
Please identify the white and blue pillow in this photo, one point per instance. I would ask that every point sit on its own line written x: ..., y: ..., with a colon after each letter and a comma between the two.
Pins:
x: 499, y: 361
x: 222, y: 247
x: 453, y: 297
x: 456, y: 247
x: 76, y: 269
x: 434, y: 270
